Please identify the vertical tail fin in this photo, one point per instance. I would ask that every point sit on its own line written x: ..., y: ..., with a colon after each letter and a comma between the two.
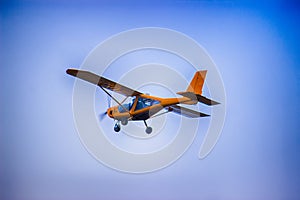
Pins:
x: 197, y: 82
x: 194, y: 90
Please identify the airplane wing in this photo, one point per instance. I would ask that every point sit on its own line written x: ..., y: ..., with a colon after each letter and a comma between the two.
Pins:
x: 186, y: 112
x: 103, y: 82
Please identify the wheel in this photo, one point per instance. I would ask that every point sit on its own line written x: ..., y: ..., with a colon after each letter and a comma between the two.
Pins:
x: 117, y: 128
x: 124, y: 122
x: 148, y: 130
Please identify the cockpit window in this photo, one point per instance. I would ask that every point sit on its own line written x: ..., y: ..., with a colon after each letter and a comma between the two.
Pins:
x: 144, y: 102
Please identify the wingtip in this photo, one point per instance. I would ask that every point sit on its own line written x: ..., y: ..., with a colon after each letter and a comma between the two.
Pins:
x: 214, y: 103
x: 204, y: 115
x: 72, y: 72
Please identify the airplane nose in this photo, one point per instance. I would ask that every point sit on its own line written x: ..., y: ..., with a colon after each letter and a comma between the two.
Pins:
x: 109, y: 112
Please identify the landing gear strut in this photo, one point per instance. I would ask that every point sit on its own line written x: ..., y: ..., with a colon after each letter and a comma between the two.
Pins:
x: 148, y: 128
x: 124, y: 122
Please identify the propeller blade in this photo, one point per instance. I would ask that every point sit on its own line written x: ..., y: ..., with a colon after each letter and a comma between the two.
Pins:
x: 108, y: 101
x: 102, y: 115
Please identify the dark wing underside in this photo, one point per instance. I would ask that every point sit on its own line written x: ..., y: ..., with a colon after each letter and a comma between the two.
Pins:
x: 186, y: 112
x: 103, y: 82
x: 198, y: 97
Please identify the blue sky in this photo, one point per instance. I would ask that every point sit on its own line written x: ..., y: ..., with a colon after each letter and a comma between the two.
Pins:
x: 254, y: 45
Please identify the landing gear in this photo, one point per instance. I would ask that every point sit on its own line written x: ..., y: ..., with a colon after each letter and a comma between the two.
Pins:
x: 124, y: 122
x: 117, y: 127
x: 148, y: 128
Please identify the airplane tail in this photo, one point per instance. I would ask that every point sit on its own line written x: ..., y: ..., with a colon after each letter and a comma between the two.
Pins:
x: 194, y: 90
x: 197, y: 82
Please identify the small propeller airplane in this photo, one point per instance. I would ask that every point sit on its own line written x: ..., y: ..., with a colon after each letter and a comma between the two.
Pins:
x: 144, y: 106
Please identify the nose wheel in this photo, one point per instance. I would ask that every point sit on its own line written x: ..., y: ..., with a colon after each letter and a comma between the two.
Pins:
x: 148, y: 128
x: 117, y: 127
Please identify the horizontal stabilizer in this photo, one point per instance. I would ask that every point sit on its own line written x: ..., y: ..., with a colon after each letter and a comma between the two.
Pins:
x: 198, y: 97
x: 186, y: 112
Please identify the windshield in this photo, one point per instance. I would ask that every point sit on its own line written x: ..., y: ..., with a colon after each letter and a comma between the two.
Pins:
x: 128, y: 106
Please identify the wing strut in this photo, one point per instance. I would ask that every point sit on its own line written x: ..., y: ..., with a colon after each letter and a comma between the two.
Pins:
x: 113, y: 98
x: 157, y: 115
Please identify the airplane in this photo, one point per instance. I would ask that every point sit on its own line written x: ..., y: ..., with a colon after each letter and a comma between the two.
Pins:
x: 143, y: 106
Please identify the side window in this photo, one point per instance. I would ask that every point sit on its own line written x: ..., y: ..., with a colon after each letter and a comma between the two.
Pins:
x: 143, y: 103
x: 155, y: 102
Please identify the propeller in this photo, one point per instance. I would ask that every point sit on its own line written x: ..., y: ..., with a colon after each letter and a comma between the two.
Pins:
x: 102, y: 115
x: 108, y: 101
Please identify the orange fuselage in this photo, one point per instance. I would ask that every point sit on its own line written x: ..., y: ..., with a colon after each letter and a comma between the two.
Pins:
x: 144, y: 113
